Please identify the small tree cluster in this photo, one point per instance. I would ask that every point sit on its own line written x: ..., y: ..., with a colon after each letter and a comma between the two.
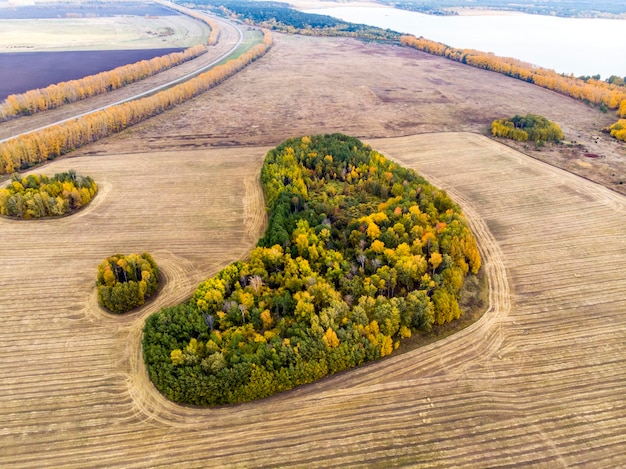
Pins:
x: 529, y: 127
x: 37, y: 196
x: 125, y: 281
x: 607, y: 95
x: 618, y: 130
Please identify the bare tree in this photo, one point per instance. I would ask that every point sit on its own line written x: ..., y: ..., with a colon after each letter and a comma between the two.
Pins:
x: 256, y: 282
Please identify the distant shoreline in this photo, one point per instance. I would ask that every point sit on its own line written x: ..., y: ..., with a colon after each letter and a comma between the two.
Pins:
x: 574, y: 42
x: 461, y: 11
x: 481, y: 11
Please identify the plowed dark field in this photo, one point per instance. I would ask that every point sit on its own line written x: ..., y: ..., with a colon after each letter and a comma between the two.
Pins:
x: 23, y: 71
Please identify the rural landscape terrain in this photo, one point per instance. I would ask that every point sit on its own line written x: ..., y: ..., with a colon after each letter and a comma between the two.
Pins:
x: 537, y: 381
x: 48, y: 45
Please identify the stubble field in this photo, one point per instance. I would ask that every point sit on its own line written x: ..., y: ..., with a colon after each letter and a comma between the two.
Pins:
x: 537, y: 381
x: 103, y: 33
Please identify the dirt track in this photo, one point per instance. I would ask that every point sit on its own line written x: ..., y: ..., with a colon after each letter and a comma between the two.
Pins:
x: 539, y: 380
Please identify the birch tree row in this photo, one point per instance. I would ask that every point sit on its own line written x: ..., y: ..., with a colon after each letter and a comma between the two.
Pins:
x: 28, y: 150
x: 56, y: 95
x: 59, y: 94
x: 598, y: 92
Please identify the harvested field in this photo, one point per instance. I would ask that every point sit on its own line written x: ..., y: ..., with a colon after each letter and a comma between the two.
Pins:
x: 538, y: 381
x: 315, y: 85
x: 104, y: 33
x: 21, y: 9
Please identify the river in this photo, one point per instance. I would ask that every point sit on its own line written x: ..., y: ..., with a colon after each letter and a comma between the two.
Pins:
x: 582, y: 46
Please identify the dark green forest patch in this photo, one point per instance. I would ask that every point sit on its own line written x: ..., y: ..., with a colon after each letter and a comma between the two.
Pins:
x: 279, y: 16
x: 359, y: 254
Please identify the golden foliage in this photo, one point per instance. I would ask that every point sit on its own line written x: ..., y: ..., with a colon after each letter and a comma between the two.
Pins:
x: 618, y: 130
x: 37, y: 146
x: 594, y: 91
x: 57, y: 95
x: 330, y: 338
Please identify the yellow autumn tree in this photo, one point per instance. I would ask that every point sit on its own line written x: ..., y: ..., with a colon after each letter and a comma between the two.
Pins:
x: 330, y: 338
x: 37, y: 146
x: 56, y: 95
x: 618, y: 130
x: 594, y: 91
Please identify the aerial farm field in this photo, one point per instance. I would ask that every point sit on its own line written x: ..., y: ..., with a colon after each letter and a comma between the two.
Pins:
x: 38, y: 51
x: 100, y: 33
x: 537, y: 381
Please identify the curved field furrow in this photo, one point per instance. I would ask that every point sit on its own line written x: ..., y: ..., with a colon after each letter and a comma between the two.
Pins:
x: 537, y: 381
x: 254, y: 209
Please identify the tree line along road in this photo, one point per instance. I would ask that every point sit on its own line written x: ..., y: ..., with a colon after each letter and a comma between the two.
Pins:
x: 231, y: 37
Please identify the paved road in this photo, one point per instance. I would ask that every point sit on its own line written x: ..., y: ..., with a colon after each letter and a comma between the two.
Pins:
x: 231, y: 36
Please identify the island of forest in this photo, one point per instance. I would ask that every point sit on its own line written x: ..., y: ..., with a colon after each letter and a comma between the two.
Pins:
x: 39, y: 196
x: 124, y: 282
x: 530, y: 127
x: 359, y: 254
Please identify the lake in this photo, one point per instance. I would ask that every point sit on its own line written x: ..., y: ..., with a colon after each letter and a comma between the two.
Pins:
x: 582, y: 46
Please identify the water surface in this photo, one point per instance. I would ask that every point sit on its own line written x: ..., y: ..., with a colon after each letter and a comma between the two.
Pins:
x: 582, y: 46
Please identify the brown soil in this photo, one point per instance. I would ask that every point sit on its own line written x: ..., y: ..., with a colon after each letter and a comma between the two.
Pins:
x: 537, y: 381
x: 315, y: 85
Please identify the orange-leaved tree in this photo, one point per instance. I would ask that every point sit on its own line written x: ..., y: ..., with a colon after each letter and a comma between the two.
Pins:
x: 37, y: 146
x: 601, y: 93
